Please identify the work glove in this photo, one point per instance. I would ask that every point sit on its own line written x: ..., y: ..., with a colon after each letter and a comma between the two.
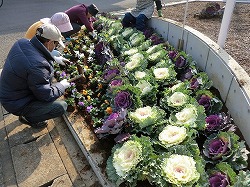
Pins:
x: 93, y: 34
x: 65, y: 83
x: 60, y: 60
x: 55, y: 53
x: 160, y: 13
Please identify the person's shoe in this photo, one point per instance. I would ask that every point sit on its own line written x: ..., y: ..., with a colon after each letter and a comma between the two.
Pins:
x: 37, y: 125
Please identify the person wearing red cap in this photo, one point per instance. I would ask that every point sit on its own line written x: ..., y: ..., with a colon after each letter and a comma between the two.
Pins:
x: 80, y: 15
x: 26, y: 87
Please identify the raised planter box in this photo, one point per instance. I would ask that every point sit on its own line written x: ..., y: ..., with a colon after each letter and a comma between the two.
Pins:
x: 227, y: 75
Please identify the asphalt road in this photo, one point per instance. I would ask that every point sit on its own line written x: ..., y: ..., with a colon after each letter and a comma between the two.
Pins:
x: 17, y: 15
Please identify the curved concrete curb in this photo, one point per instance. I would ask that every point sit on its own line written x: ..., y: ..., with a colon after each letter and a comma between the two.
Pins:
x: 227, y: 75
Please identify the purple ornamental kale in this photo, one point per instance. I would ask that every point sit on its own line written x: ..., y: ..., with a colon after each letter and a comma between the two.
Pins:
x: 148, y: 32
x: 172, y: 54
x: 180, y: 62
x: 187, y: 74
x: 113, y: 124
x: 218, y: 179
x: 219, y: 122
x: 194, y: 83
x: 110, y: 74
x: 205, y: 101
x: 116, y: 82
x: 213, y: 122
x: 217, y: 148
x: 156, y: 39
x: 123, y: 100
x: 122, y: 137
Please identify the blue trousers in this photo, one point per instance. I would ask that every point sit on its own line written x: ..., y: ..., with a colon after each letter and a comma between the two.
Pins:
x: 138, y: 22
x: 38, y: 111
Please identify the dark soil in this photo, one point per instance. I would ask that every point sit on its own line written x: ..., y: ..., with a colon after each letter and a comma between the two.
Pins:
x: 238, y: 39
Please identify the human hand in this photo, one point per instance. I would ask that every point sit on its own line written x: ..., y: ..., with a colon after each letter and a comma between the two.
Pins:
x: 160, y: 13
x: 93, y: 34
x: 56, y: 53
x: 60, y: 60
x: 65, y: 83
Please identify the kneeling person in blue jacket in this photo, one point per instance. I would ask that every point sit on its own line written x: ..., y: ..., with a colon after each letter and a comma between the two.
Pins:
x: 26, y: 87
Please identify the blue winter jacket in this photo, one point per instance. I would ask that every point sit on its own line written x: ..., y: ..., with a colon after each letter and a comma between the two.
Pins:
x: 27, y: 76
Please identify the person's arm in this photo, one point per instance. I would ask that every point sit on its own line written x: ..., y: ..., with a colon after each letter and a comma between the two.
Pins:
x: 85, y: 21
x: 158, y: 7
x: 41, y: 86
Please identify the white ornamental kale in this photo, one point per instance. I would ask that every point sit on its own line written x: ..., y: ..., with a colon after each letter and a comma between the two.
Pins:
x: 172, y: 135
x: 135, y: 61
x: 127, y: 32
x: 140, y: 75
x: 154, y: 49
x: 130, y: 52
x: 136, y: 39
x: 127, y: 157
x: 180, y: 170
x: 161, y: 73
x: 157, y: 56
x: 144, y: 86
x: 177, y: 99
x: 187, y: 115
x: 147, y: 116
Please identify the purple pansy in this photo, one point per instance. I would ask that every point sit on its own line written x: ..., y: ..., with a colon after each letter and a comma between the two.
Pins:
x: 80, y: 103
x: 63, y: 74
x: 89, y: 108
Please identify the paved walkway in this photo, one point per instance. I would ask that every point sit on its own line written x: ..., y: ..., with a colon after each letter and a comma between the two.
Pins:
x: 47, y: 157
x: 30, y: 157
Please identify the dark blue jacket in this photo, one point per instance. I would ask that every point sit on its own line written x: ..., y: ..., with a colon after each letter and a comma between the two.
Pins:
x: 27, y: 76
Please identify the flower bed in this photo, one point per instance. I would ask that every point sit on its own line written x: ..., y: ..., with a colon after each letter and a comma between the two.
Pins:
x: 157, y: 114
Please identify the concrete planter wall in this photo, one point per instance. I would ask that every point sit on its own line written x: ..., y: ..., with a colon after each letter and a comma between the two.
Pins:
x: 227, y: 75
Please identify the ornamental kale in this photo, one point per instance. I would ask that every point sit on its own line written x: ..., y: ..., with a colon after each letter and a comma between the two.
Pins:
x: 190, y: 116
x: 128, y: 161
x: 225, y: 146
x: 123, y: 100
x: 221, y: 175
x: 146, y: 117
x: 219, y: 122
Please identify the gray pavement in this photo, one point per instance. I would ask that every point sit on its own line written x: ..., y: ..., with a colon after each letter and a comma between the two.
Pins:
x: 48, y: 157
x: 29, y: 157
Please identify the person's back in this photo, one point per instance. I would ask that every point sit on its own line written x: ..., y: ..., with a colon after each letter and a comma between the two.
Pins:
x: 80, y: 15
x: 21, y: 71
x: 26, y: 87
x: 143, y: 11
